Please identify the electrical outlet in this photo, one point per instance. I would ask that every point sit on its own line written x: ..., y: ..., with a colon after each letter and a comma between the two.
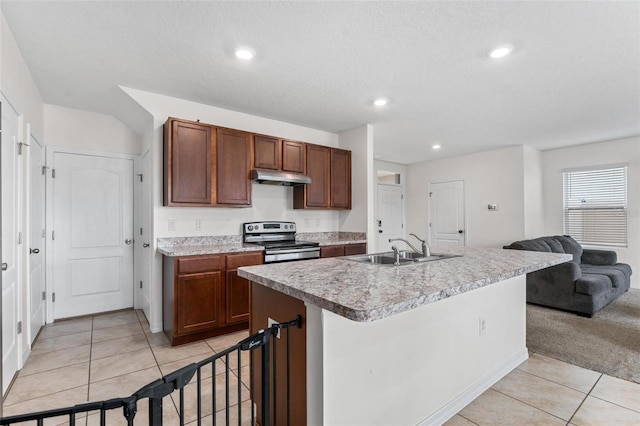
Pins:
x: 482, y: 326
x: 307, y: 223
x: 198, y: 224
x: 172, y: 224
x: 317, y: 223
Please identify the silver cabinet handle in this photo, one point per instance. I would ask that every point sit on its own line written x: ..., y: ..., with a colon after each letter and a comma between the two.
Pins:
x: 146, y: 245
x: 128, y: 241
x: 4, y: 266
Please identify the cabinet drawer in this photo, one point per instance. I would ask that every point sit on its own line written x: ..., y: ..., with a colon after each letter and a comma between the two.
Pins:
x: 331, y: 251
x: 195, y: 264
x: 352, y: 249
x: 246, y: 259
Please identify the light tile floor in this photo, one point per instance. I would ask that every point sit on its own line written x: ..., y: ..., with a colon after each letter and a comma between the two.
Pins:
x: 113, y: 355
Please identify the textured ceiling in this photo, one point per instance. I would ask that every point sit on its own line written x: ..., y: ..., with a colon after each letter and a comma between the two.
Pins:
x: 573, y: 77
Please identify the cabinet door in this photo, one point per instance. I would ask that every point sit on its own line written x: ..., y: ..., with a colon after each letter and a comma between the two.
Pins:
x: 353, y: 249
x: 316, y: 194
x: 237, y: 303
x: 188, y: 150
x: 266, y: 152
x: 198, y: 302
x: 340, y: 179
x: 293, y: 156
x: 234, y: 163
x: 331, y: 251
x: 237, y: 288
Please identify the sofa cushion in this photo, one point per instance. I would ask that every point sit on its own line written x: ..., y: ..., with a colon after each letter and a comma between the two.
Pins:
x: 593, y: 284
x: 570, y: 246
x: 616, y: 276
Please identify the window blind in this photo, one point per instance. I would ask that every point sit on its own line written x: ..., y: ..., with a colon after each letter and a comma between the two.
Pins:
x: 595, y: 206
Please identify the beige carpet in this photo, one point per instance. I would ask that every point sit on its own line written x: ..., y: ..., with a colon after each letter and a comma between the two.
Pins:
x: 608, y: 343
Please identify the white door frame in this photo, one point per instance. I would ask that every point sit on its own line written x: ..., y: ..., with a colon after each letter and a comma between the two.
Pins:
x: 32, y: 141
x: 50, y: 152
x: 19, y: 212
x: 142, y: 254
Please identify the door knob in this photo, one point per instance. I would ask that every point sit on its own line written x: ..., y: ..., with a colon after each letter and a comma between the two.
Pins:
x: 379, y: 231
x: 34, y: 251
x: 4, y: 266
x: 146, y: 245
x: 460, y: 231
x: 128, y: 241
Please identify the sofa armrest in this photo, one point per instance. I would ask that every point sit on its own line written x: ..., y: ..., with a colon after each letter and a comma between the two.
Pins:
x: 554, y: 286
x: 599, y: 257
x: 563, y: 274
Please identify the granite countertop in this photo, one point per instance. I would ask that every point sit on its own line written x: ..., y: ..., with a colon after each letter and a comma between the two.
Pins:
x: 192, y: 246
x: 221, y: 244
x: 368, y: 292
x: 333, y: 238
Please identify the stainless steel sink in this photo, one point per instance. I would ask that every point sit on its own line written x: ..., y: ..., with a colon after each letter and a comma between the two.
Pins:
x: 379, y: 258
x: 406, y: 258
x: 435, y: 257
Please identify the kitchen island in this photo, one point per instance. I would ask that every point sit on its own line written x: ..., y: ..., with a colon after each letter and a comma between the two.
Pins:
x: 411, y: 344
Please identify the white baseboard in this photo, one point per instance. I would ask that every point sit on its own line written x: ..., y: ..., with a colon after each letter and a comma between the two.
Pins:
x: 458, y: 403
x: 156, y: 328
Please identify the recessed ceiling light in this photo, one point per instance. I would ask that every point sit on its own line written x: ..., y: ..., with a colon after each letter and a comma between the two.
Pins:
x: 380, y: 102
x: 436, y: 146
x: 500, y: 51
x: 245, y: 53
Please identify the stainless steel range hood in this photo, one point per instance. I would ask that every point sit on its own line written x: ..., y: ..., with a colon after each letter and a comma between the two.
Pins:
x: 272, y: 177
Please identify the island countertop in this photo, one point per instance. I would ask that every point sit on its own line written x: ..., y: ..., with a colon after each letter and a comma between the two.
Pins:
x: 368, y: 292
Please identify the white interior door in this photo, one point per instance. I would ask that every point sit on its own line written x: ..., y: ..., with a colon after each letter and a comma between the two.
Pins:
x: 446, y: 222
x: 10, y: 243
x: 93, y: 234
x: 36, y: 238
x: 389, y: 215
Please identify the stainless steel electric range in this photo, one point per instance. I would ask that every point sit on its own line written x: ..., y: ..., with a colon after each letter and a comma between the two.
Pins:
x: 279, y: 241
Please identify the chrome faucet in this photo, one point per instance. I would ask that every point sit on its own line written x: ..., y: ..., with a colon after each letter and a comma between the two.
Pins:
x: 426, y: 250
x: 396, y: 255
x: 405, y: 241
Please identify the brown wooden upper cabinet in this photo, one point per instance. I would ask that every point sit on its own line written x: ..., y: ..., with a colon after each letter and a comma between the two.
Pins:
x: 233, y: 167
x: 330, y: 187
x: 278, y: 154
x: 293, y: 156
x: 266, y: 152
x: 316, y: 193
x: 188, y: 157
x: 205, y: 165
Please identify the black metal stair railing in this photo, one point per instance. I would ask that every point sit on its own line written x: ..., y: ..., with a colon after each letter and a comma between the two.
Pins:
x: 177, y: 380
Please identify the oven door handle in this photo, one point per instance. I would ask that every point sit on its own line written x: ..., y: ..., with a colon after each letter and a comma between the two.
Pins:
x: 296, y: 250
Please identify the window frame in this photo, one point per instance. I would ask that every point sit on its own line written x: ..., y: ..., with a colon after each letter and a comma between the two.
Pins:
x: 595, y: 205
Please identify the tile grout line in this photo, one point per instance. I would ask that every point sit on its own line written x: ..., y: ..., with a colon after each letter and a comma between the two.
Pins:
x: 559, y: 384
x: 585, y: 398
x: 529, y: 404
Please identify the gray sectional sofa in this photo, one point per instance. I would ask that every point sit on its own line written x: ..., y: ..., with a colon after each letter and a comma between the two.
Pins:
x: 584, y: 286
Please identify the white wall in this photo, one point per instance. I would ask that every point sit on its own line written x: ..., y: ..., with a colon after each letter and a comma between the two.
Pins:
x: 596, y: 154
x: 360, y: 142
x: 489, y: 177
x: 533, y: 194
x: 88, y: 131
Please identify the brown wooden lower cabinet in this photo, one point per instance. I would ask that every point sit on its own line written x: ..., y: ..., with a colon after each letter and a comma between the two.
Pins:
x: 343, y: 250
x: 267, y: 303
x: 203, y: 296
